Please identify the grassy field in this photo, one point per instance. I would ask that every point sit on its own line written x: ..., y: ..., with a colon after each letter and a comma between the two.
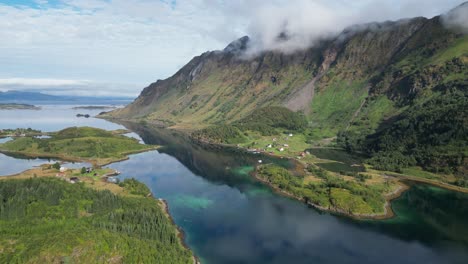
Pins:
x: 78, y: 144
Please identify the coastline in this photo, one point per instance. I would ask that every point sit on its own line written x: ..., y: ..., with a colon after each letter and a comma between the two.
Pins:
x: 389, y: 197
x: 94, y: 162
x: 387, y: 214
x: 31, y: 173
x: 180, y: 232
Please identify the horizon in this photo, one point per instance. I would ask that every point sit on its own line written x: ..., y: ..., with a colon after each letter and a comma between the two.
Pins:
x: 78, y: 47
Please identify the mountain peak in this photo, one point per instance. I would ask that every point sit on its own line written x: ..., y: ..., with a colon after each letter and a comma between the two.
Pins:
x: 238, y: 45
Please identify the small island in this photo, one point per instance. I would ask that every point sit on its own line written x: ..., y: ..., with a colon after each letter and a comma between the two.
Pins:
x: 83, y: 115
x: 80, y: 144
x: 21, y: 132
x: 84, y: 215
x: 94, y: 107
x: 14, y: 106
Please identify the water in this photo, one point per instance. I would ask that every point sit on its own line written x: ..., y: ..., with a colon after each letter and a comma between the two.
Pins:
x: 14, y: 164
x: 228, y: 217
x: 5, y: 139
x: 52, y: 118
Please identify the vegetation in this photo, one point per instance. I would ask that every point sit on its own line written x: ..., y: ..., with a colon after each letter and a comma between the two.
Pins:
x: 19, y: 132
x: 330, y: 191
x: 431, y: 134
x: 267, y: 121
x: 77, y: 143
x: 18, y: 107
x: 51, y: 221
x: 135, y: 187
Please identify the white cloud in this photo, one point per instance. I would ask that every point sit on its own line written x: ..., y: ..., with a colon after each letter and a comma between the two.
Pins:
x: 457, y: 18
x: 39, y: 82
x: 139, y: 41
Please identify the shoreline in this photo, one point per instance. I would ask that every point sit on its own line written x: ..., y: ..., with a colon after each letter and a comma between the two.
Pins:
x: 31, y: 173
x: 180, y: 232
x: 64, y: 158
x: 387, y: 214
x: 389, y: 197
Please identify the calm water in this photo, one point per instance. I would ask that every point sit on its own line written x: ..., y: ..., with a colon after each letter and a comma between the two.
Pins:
x: 52, y: 118
x: 229, y: 218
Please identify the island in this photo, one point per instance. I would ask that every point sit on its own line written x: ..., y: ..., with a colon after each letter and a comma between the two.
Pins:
x: 94, y: 107
x: 14, y: 106
x: 84, y: 215
x: 21, y: 132
x: 79, y: 144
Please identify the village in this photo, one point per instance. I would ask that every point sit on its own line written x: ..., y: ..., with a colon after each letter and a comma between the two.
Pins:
x: 73, y: 176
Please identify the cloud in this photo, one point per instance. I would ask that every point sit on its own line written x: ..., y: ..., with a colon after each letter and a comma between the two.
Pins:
x: 39, y: 82
x: 288, y: 26
x: 139, y: 41
x: 457, y: 18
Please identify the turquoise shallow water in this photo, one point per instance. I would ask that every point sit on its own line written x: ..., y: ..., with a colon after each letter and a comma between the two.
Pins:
x: 228, y: 217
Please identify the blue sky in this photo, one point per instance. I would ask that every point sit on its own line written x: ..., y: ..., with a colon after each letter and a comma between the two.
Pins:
x: 117, y: 47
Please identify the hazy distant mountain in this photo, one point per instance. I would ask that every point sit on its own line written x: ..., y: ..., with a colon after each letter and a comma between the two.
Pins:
x: 40, y: 98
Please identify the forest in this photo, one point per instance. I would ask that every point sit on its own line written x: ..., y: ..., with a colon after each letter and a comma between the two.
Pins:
x: 267, y: 121
x: 46, y: 220
x: 432, y: 134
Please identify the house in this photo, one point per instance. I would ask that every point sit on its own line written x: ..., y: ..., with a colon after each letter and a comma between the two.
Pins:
x: 286, y: 145
x: 260, y: 161
x: 63, y: 169
x: 281, y: 149
x: 290, y: 134
x: 269, y: 146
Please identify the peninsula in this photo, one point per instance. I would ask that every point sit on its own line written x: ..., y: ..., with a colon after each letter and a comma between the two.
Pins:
x: 83, y: 215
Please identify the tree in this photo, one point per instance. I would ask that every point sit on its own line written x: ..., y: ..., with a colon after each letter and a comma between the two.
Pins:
x: 83, y: 170
x: 56, y: 166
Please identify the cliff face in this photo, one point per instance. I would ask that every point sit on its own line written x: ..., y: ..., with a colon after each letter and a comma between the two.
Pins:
x: 363, y: 76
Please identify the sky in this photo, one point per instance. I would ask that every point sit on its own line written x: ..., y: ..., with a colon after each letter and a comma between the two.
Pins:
x: 117, y: 47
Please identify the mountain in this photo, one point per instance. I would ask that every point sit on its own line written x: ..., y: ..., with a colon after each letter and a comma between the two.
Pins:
x: 367, y: 85
x: 40, y: 98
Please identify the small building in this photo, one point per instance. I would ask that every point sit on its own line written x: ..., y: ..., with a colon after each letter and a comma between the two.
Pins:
x: 281, y: 149
x: 269, y: 146
x: 290, y: 134
x: 260, y: 161
x: 285, y: 145
x: 63, y: 169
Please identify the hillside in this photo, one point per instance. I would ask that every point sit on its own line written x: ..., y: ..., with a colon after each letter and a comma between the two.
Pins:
x: 365, y: 86
x: 379, y: 66
x: 48, y: 220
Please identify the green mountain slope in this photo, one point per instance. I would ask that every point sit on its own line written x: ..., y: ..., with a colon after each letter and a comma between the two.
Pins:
x: 359, y: 86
